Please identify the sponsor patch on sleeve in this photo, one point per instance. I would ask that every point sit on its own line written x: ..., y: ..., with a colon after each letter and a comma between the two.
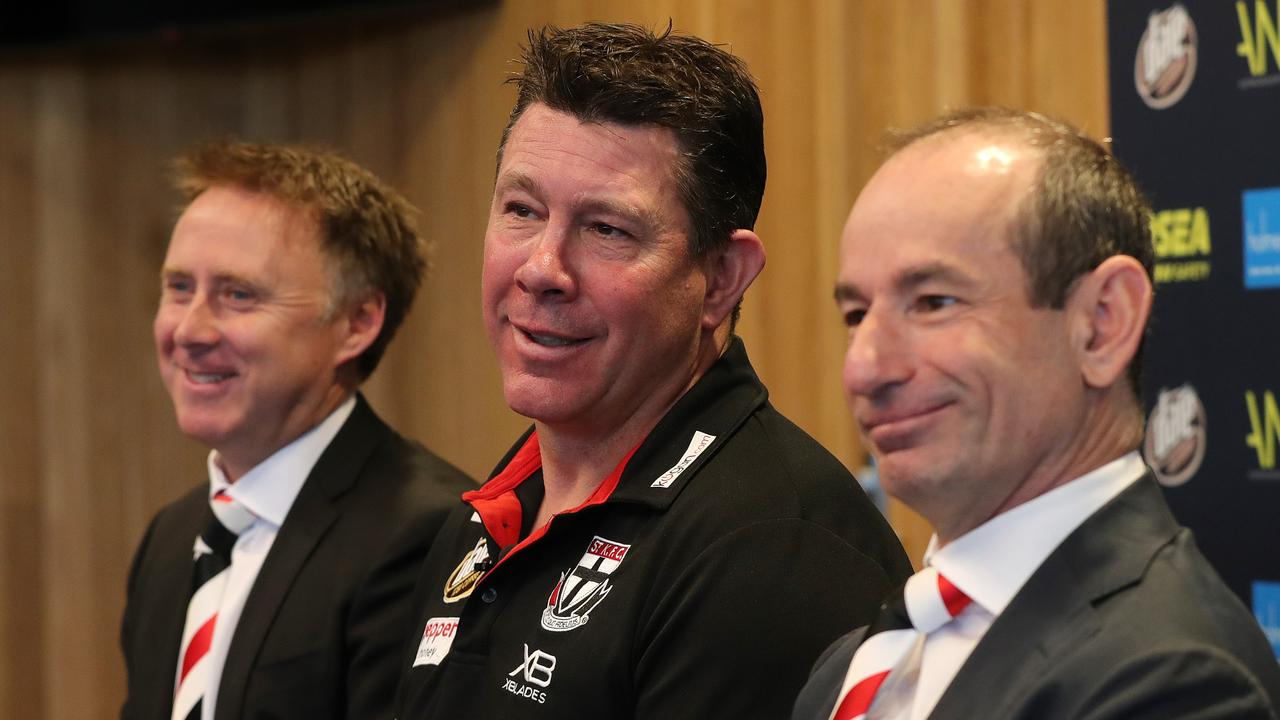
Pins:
x: 437, y: 638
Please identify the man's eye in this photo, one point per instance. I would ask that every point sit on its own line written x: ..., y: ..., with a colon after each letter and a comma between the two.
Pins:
x: 239, y: 295
x: 177, y: 285
x: 853, y: 318
x: 520, y: 211
x: 931, y: 303
x: 607, y: 230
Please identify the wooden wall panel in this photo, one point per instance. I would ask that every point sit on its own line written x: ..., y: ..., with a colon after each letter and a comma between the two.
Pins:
x: 22, y: 645
x: 87, y: 442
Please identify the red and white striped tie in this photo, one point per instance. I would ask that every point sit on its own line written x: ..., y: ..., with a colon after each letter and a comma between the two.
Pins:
x: 212, y: 565
x: 927, y: 602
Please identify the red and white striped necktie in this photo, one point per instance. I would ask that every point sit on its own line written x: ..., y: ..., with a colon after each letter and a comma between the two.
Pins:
x: 212, y: 566
x: 927, y: 602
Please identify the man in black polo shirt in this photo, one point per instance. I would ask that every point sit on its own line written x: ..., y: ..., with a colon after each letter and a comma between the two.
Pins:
x: 661, y: 543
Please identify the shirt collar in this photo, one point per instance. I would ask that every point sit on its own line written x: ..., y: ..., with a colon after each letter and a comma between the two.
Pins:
x: 686, y: 438
x: 270, y: 487
x: 991, y: 562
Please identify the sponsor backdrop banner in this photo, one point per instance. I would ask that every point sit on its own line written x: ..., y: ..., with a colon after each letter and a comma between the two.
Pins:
x: 1195, y: 114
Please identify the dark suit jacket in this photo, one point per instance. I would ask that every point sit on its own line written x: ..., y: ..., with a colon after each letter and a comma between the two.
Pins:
x: 322, y: 629
x: 1125, y: 619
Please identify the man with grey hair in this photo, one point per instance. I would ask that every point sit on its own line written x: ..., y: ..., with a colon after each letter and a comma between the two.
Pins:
x: 995, y: 282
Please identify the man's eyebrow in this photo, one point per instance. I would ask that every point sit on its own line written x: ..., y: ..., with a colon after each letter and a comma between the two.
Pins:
x: 908, y: 279
x: 630, y: 211
x: 170, y: 271
x: 847, y: 292
x: 515, y: 180
x: 914, y: 277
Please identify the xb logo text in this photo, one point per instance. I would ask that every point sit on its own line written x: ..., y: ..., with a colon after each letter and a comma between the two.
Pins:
x: 536, y: 668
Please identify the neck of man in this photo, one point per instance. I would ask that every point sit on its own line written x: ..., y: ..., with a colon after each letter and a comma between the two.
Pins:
x: 1111, y: 428
x: 576, y: 461
x: 235, y: 464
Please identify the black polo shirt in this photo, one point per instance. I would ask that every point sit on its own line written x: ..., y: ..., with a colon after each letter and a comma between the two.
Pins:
x: 701, y: 580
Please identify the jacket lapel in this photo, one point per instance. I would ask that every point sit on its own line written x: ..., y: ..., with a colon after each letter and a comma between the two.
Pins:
x: 1054, y: 611
x: 310, y: 517
x: 172, y: 592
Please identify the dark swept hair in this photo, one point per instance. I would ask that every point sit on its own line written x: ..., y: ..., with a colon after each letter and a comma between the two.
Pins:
x: 366, y: 228
x: 629, y: 75
x: 1083, y: 208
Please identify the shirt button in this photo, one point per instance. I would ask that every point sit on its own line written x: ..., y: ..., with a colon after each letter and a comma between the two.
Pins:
x: 489, y: 595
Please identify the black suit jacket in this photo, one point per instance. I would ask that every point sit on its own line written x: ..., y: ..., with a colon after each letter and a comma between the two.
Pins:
x: 1125, y: 619
x: 322, y: 629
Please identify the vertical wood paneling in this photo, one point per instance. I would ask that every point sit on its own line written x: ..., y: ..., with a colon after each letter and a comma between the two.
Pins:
x: 87, y: 441
x: 63, y: 200
x: 834, y: 123
x: 22, y: 645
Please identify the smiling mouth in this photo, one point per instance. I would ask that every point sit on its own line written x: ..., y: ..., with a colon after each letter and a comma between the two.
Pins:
x: 552, y: 340
x: 895, y: 430
x: 206, y: 378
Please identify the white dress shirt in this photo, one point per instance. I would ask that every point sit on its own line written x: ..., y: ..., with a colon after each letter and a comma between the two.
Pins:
x: 268, y: 491
x: 993, y: 561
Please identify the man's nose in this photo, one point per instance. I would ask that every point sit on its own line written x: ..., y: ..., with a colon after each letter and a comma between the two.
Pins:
x: 547, y: 271
x: 878, y: 356
x: 198, y: 325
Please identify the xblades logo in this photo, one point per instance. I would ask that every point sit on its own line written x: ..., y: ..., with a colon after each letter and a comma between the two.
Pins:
x: 536, y: 669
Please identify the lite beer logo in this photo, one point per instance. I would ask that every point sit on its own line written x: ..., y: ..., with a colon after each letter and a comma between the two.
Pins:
x: 463, y: 579
x: 536, y: 670
x: 1166, y: 59
x: 1175, y: 442
x: 1259, y: 43
x: 581, y: 589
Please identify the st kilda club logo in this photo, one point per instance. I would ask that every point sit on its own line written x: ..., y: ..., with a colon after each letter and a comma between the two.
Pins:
x: 581, y: 589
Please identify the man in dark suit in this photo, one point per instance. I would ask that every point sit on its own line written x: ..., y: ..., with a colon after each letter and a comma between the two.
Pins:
x: 995, y: 281
x: 286, y: 277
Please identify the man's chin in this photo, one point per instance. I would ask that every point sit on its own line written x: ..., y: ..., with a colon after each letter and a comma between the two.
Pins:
x: 211, y: 432
x: 542, y: 399
x: 903, y: 473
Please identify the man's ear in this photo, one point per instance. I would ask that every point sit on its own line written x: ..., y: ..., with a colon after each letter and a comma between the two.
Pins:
x: 1110, y: 306
x: 360, y: 324
x: 729, y: 273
